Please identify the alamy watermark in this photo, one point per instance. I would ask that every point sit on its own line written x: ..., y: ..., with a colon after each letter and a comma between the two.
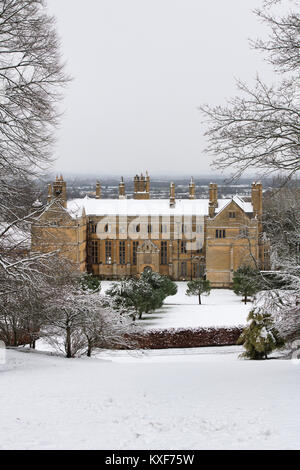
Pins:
x: 188, y: 228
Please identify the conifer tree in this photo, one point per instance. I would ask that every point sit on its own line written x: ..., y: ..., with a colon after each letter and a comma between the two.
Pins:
x: 198, y: 287
x: 88, y: 282
x: 246, y: 282
x: 157, y: 281
x: 141, y: 295
x: 260, y: 337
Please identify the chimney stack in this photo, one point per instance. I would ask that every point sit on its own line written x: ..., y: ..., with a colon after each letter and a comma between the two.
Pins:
x: 192, y: 189
x: 147, y: 182
x: 98, y: 190
x: 122, y: 189
x: 213, y: 199
x: 172, y: 195
x: 58, y: 191
x: 141, y: 187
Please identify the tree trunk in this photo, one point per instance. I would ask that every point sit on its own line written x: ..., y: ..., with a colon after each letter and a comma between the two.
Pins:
x: 246, y: 299
x: 15, y: 339
x: 199, y: 297
x: 89, y: 348
x: 68, y: 342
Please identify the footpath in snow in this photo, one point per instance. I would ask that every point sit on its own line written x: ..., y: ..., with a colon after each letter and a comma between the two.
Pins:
x: 176, y: 399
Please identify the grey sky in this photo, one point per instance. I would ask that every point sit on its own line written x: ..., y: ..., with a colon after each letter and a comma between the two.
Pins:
x: 141, y: 68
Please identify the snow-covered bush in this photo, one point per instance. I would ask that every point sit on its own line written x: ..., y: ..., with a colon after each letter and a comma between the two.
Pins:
x: 260, y: 337
x: 284, y: 305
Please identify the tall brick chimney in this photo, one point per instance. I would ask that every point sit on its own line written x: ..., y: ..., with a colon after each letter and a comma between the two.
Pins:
x: 192, y: 189
x: 213, y: 199
x: 98, y: 190
x: 122, y: 189
x: 59, y: 191
x: 172, y: 195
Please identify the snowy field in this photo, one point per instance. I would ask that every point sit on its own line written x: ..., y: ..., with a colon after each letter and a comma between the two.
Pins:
x: 221, y: 308
x: 176, y: 399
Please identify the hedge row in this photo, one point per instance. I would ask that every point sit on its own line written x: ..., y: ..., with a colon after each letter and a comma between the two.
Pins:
x: 185, y: 338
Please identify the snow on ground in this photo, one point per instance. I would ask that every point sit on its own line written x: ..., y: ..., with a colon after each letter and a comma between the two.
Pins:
x: 221, y: 308
x: 176, y: 399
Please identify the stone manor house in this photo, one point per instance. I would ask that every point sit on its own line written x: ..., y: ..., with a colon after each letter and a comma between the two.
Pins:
x: 181, y: 238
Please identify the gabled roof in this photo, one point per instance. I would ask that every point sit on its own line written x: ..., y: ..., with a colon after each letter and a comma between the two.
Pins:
x: 245, y: 206
x: 56, y: 206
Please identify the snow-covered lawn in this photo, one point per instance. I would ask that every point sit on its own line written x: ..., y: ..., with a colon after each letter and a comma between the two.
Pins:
x: 221, y: 308
x: 176, y: 399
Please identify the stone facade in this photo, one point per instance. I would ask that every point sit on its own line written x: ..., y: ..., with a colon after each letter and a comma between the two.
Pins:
x: 183, y: 239
x: 56, y: 229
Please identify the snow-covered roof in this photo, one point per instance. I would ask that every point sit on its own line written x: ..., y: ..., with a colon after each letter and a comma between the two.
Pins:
x: 245, y: 206
x: 151, y: 207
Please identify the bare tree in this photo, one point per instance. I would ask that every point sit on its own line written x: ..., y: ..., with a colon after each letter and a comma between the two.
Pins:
x: 281, y: 294
x: 282, y: 47
x: 104, y: 327
x: 77, y: 322
x: 261, y: 128
x: 21, y: 314
x: 281, y: 221
x: 25, y: 299
x: 31, y: 75
x: 31, y: 81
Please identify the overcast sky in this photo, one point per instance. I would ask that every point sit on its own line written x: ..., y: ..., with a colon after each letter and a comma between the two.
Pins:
x: 141, y: 68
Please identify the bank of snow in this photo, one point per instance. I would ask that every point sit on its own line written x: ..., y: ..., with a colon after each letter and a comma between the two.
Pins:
x: 182, y: 399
